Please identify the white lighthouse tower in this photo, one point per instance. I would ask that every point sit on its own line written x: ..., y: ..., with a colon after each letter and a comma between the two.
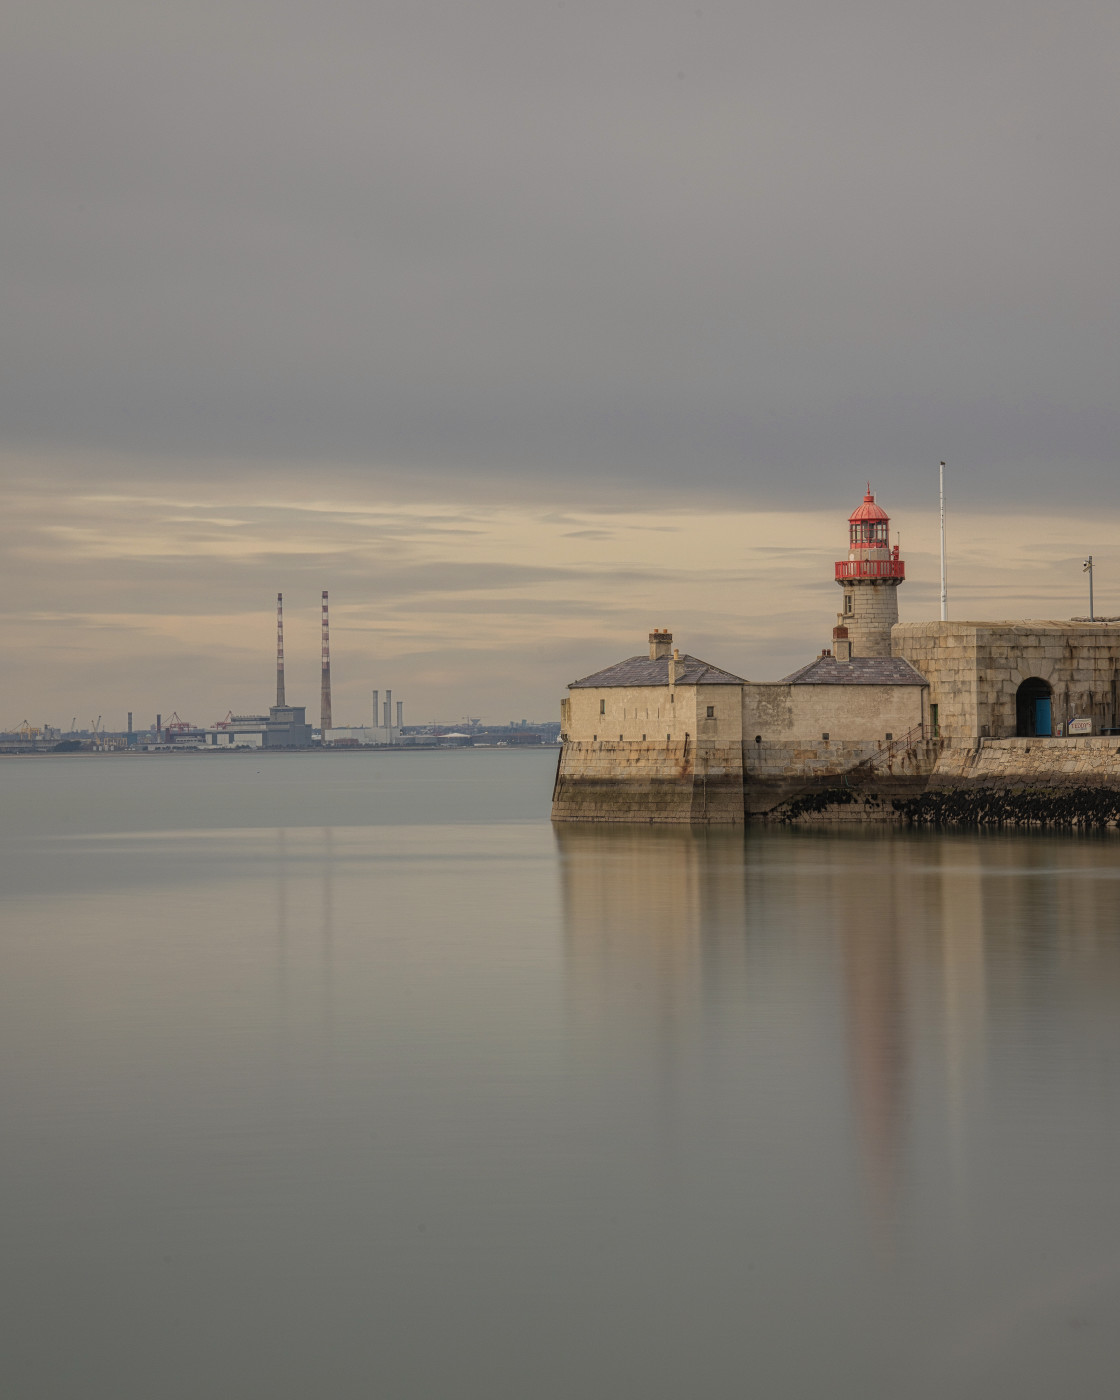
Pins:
x: 869, y: 577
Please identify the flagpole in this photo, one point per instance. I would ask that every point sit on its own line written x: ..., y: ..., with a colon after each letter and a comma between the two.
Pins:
x: 944, y: 594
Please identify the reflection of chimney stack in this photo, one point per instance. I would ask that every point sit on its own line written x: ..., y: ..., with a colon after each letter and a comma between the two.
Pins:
x: 325, y: 694
x: 280, y: 649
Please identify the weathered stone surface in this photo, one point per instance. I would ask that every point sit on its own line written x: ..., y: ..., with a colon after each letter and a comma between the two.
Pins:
x: 975, y: 670
x: 725, y: 750
x: 1009, y: 782
x: 611, y: 781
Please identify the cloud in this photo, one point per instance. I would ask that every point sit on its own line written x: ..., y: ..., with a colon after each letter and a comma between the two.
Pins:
x: 522, y: 328
x: 501, y: 247
x: 134, y: 601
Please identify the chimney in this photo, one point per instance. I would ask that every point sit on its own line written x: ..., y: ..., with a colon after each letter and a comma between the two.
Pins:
x: 376, y: 716
x: 325, y: 692
x: 674, y: 662
x: 660, y: 644
x: 280, y: 649
x: 389, y: 712
x: 159, y: 727
x: 400, y: 714
x: 130, y: 721
x: 841, y: 646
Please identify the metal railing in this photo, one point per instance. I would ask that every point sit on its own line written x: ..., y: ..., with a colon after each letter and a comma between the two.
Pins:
x: 870, y: 568
x: 888, y: 751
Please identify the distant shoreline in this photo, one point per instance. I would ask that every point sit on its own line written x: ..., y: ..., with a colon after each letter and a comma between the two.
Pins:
x: 364, y: 750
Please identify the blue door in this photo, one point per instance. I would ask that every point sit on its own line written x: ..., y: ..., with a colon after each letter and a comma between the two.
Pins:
x: 1042, y: 715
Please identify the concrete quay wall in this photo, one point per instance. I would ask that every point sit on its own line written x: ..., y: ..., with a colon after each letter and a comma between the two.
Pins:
x: 682, y: 782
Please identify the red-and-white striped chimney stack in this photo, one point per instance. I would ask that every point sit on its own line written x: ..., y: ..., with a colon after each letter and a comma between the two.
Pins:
x: 280, y: 649
x: 325, y: 697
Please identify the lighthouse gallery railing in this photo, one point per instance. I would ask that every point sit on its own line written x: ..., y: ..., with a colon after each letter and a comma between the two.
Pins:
x: 871, y: 568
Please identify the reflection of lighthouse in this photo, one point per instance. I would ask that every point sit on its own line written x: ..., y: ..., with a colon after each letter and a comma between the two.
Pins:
x: 875, y: 991
x: 870, y: 577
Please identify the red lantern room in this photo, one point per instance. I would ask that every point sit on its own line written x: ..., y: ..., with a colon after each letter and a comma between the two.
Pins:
x: 870, y: 554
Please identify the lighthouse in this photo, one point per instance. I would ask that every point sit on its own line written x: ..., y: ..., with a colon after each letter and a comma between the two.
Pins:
x: 869, y: 577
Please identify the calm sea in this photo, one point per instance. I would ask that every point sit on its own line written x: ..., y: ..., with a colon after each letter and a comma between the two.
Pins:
x: 348, y: 1076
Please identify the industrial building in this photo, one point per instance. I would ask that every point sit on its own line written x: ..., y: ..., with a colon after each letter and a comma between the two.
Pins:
x: 284, y: 727
x: 382, y: 731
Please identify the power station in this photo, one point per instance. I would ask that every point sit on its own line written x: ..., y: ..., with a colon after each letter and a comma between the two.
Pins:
x: 285, y: 726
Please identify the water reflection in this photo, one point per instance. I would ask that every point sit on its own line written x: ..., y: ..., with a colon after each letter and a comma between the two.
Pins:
x: 646, y: 912
x: 888, y: 953
x: 602, y: 1112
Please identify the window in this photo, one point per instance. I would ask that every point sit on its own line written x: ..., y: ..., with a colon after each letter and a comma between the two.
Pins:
x: 602, y: 707
x: 673, y: 698
x: 711, y: 712
x: 825, y: 738
x: 889, y: 738
x: 848, y: 603
x: 934, y: 727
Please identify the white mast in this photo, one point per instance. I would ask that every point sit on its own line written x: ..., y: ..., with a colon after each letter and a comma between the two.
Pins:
x: 944, y: 594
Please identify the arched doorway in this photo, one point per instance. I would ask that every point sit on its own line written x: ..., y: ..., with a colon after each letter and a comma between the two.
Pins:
x: 1032, y: 708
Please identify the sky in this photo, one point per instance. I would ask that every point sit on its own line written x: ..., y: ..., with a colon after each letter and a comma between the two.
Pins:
x: 523, y: 328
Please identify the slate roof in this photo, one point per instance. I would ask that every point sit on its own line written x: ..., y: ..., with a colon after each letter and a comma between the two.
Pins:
x: 640, y: 670
x: 861, y: 670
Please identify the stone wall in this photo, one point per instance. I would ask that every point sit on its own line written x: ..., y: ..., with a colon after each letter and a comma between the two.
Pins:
x: 653, y: 714
x: 874, y: 612
x: 1046, y: 762
x: 975, y: 669
x: 1004, y: 782
x: 783, y: 782
x: 1023, y: 782
x: 694, y: 780
x: 863, y: 713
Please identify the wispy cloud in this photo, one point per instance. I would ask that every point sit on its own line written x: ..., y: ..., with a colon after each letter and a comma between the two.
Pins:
x: 133, y: 600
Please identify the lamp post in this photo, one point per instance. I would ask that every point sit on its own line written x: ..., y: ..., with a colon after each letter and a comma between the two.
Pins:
x: 1087, y: 568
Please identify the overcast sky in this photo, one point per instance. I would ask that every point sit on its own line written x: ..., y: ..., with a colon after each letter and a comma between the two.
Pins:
x: 468, y: 264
